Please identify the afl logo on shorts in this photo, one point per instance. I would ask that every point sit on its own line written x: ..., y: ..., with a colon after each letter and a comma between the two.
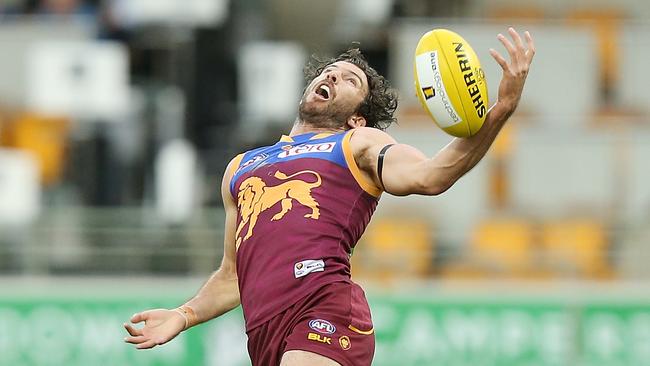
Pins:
x: 322, y: 326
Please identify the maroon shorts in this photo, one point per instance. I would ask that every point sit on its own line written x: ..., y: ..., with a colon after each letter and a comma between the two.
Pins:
x: 333, y: 322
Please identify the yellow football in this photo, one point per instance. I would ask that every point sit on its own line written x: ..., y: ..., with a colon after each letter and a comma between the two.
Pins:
x: 450, y: 82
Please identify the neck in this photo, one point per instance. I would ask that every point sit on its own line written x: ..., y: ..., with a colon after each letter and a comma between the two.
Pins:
x: 301, y: 127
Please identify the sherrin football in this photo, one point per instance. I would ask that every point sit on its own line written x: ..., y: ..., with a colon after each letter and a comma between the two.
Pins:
x: 450, y: 82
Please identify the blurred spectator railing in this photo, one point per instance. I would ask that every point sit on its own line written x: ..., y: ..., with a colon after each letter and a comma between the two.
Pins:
x: 132, y: 241
x: 115, y: 241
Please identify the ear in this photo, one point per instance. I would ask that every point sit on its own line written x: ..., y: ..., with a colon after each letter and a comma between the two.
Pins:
x: 356, y: 120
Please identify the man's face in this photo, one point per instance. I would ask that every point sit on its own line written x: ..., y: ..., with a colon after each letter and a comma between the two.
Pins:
x: 334, y: 95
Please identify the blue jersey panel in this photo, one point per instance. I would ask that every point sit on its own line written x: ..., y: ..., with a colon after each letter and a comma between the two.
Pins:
x: 308, y: 145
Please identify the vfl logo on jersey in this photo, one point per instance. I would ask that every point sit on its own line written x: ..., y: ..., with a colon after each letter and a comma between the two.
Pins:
x: 255, y: 196
x: 322, y: 326
x: 252, y: 161
x: 307, y: 148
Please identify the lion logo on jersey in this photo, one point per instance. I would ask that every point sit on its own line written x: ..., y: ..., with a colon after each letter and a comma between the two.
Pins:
x: 255, y: 196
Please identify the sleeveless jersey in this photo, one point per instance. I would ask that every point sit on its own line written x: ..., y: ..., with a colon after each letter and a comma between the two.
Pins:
x: 303, y: 204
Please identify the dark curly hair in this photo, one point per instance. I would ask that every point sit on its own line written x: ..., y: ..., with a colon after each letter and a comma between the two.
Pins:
x: 379, y: 106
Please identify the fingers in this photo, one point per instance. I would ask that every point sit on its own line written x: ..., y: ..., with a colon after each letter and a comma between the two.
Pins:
x: 135, y: 340
x: 153, y: 333
x: 500, y: 60
x: 132, y: 331
x: 531, y: 46
x: 517, y: 39
x: 139, y: 317
x: 146, y: 345
x: 520, y: 55
x: 141, y: 341
x: 144, y: 342
x: 137, y: 336
x: 509, y: 47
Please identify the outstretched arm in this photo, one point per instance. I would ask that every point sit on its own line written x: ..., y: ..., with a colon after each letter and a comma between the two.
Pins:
x: 218, y: 295
x: 406, y: 170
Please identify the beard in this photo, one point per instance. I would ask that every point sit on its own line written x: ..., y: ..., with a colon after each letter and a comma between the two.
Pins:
x: 324, y: 115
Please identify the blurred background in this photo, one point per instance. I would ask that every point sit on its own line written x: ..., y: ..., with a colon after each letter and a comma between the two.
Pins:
x: 118, y: 117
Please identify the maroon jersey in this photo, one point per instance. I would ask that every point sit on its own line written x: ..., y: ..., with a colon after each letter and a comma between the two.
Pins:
x: 303, y: 204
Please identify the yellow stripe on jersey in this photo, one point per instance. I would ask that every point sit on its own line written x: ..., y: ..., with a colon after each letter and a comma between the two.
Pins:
x: 364, y: 332
x: 367, y: 185
x: 321, y: 135
x: 286, y: 138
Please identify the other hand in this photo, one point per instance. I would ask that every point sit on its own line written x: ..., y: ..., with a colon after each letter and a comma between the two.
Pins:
x: 515, y: 72
x: 160, y: 326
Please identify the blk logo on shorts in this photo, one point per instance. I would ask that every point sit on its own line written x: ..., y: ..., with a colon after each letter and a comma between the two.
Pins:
x: 322, y: 326
x: 319, y: 338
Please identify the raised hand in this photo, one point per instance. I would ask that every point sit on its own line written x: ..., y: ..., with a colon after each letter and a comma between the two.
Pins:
x: 515, y: 72
x: 160, y: 326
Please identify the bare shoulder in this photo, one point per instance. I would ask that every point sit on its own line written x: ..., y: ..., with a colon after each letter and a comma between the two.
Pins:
x: 228, y: 175
x: 234, y: 162
x: 364, y: 138
x: 231, y: 167
x: 366, y: 143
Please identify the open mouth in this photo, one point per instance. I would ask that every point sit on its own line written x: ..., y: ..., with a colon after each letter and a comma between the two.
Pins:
x: 323, y: 91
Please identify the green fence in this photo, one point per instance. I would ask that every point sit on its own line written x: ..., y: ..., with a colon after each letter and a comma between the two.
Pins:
x: 38, y: 330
